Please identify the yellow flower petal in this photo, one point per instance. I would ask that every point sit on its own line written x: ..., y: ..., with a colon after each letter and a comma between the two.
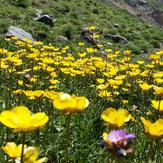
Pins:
x: 12, y: 149
x: 153, y: 129
x: 70, y: 104
x: 22, y: 120
x: 116, y: 118
x: 158, y: 105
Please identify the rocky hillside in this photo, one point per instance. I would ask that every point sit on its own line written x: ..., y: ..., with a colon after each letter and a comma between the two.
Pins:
x: 67, y: 21
x: 148, y: 10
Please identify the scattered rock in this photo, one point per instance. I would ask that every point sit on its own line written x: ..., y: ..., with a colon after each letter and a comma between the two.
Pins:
x: 140, y: 5
x: 88, y: 34
x: 46, y: 19
x: 92, y: 40
x: 117, y: 38
x: 131, y: 3
x: 116, y: 25
x: 18, y: 32
x: 62, y: 38
x: 142, y: 2
x: 102, y: 52
x: 109, y: 43
x: 143, y: 10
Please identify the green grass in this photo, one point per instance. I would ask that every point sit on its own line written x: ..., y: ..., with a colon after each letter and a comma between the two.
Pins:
x: 73, y: 15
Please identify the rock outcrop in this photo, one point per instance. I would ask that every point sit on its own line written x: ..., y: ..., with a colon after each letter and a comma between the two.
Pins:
x: 18, y: 32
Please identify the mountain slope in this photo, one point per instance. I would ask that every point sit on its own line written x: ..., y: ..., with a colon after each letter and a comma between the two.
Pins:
x: 72, y: 15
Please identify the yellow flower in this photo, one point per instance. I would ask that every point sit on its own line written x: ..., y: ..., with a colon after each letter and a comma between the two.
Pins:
x: 20, y: 82
x: 95, y: 36
x: 105, y: 138
x: 159, y: 80
x: 127, y: 52
x: 145, y: 86
x: 18, y: 91
x: 125, y: 89
x: 52, y: 81
x: 38, y: 93
x: 34, y: 94
x: 92, y: 27
x: 102, y: 86
x: 140, y: 62
x: 51, y: 95
x: 116, y: 118
x: 70, y: 104
x: 100, y: 80
x: 53, y: 74
x: 91, y: 50
x: 158, y: 105
x: 33, y: 80
x: 113, y: 82
x: 31, y: 154
x: 108, y: 50
x: 81, y: 43
x: 22, y: 120
x: 150, y: 66
x: 104, y: 93
x: 148, y: 113
x: 153, y: 129
x: 158, y: 90
x: 12, y: 149
x: 125, y: 101
x: 82, y: 54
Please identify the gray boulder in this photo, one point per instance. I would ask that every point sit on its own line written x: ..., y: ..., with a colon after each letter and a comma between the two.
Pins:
x: 18, y: 32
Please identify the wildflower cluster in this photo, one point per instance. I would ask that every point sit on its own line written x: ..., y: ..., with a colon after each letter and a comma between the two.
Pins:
x: 42, y: 82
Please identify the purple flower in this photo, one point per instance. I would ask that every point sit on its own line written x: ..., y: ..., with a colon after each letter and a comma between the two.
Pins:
x: 116, y: 136
x: 118, y: 142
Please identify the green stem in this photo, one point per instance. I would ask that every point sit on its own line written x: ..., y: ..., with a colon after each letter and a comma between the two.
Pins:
x: 37, y: 137
x: 150, y: 150
x: 68, y: 138
x: 159, y: 103
x: 23, y: 143
x: 159, y: 148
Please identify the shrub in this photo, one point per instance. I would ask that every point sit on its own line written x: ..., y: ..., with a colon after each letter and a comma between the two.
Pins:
x: 4, y: 24
x: 67, y: 31
x: 95, y: 11
x: 155, y: 43
x: 21, y: 3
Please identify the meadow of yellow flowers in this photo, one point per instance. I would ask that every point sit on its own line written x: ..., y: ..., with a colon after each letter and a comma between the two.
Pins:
x: 68, y: 105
